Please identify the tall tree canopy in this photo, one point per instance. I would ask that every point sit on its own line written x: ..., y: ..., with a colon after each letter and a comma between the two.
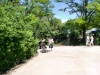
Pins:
x: 80, y: 7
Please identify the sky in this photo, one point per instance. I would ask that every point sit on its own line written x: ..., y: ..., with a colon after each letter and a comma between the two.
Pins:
x: 64, y: 16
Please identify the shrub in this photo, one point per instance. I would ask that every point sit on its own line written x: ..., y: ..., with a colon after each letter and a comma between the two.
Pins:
x: 17, y: 42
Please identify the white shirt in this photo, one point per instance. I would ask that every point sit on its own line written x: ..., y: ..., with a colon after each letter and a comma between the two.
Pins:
x: 91, y: 38
x: 51, y: 41
x: 87, y: 39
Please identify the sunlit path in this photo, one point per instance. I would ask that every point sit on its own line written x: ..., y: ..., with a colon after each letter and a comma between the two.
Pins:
x: 63, y: 60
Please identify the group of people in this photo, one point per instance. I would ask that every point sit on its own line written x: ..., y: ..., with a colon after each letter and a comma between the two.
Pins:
x: 43, y: 44
x: 89, y: 40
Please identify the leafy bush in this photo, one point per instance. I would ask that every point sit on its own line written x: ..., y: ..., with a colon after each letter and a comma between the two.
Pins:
x: 97, y: 37
x: 17, y: 42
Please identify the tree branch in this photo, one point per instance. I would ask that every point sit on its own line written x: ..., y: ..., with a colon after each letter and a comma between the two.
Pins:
x: 71, y: 7
x: 90, y: 15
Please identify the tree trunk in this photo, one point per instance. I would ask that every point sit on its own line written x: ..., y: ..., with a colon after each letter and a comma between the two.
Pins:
x: 85, y: 3
x: 84, y: 36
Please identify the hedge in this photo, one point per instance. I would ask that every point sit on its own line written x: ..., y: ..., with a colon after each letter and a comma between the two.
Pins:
x: 17, y: 42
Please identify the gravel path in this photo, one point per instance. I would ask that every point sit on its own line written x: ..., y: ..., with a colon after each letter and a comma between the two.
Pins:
x: 63, y: 60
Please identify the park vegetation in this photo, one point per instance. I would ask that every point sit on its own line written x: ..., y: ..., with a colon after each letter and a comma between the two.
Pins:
x: 87, y: 17
x: 24, y: 22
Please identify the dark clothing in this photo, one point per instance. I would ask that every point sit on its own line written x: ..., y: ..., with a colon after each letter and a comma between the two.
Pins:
x: 43, y: 45
x: 51, y: 46
x: 39, y: 44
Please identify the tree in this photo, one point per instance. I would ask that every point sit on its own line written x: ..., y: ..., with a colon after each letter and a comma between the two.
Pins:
x: 80, y: 8
x: 95, y: 17
x: 17, y: 42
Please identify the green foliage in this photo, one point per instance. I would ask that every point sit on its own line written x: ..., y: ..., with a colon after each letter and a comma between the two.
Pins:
x: 74, y: 38
x: 96, y: 37
x: 80, y: 21
x: 94, y: 5
x: 21, y: 25
x: 82, y: 11
x: 62, y: 35
x: 88, y: 17
x: 17, y: 42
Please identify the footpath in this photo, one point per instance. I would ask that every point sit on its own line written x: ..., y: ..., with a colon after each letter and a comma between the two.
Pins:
x: 63, y: 60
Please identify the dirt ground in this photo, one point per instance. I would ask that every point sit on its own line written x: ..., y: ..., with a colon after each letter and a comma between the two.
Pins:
x: 63, y: 60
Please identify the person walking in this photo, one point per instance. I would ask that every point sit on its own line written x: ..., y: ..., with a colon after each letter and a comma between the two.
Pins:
x: 87, y: 40
x: 91, y: 40
x: 51, y: 43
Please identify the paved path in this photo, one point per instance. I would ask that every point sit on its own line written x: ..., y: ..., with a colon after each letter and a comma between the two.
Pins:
x: 63, y: 60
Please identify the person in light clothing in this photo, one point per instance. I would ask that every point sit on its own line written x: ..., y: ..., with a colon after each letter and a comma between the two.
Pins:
x: 91, y: 40
x: 87, y: 40
x: 51, y: 43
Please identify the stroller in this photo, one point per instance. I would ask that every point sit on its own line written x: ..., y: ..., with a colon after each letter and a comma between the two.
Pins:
x: 43, y: 47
